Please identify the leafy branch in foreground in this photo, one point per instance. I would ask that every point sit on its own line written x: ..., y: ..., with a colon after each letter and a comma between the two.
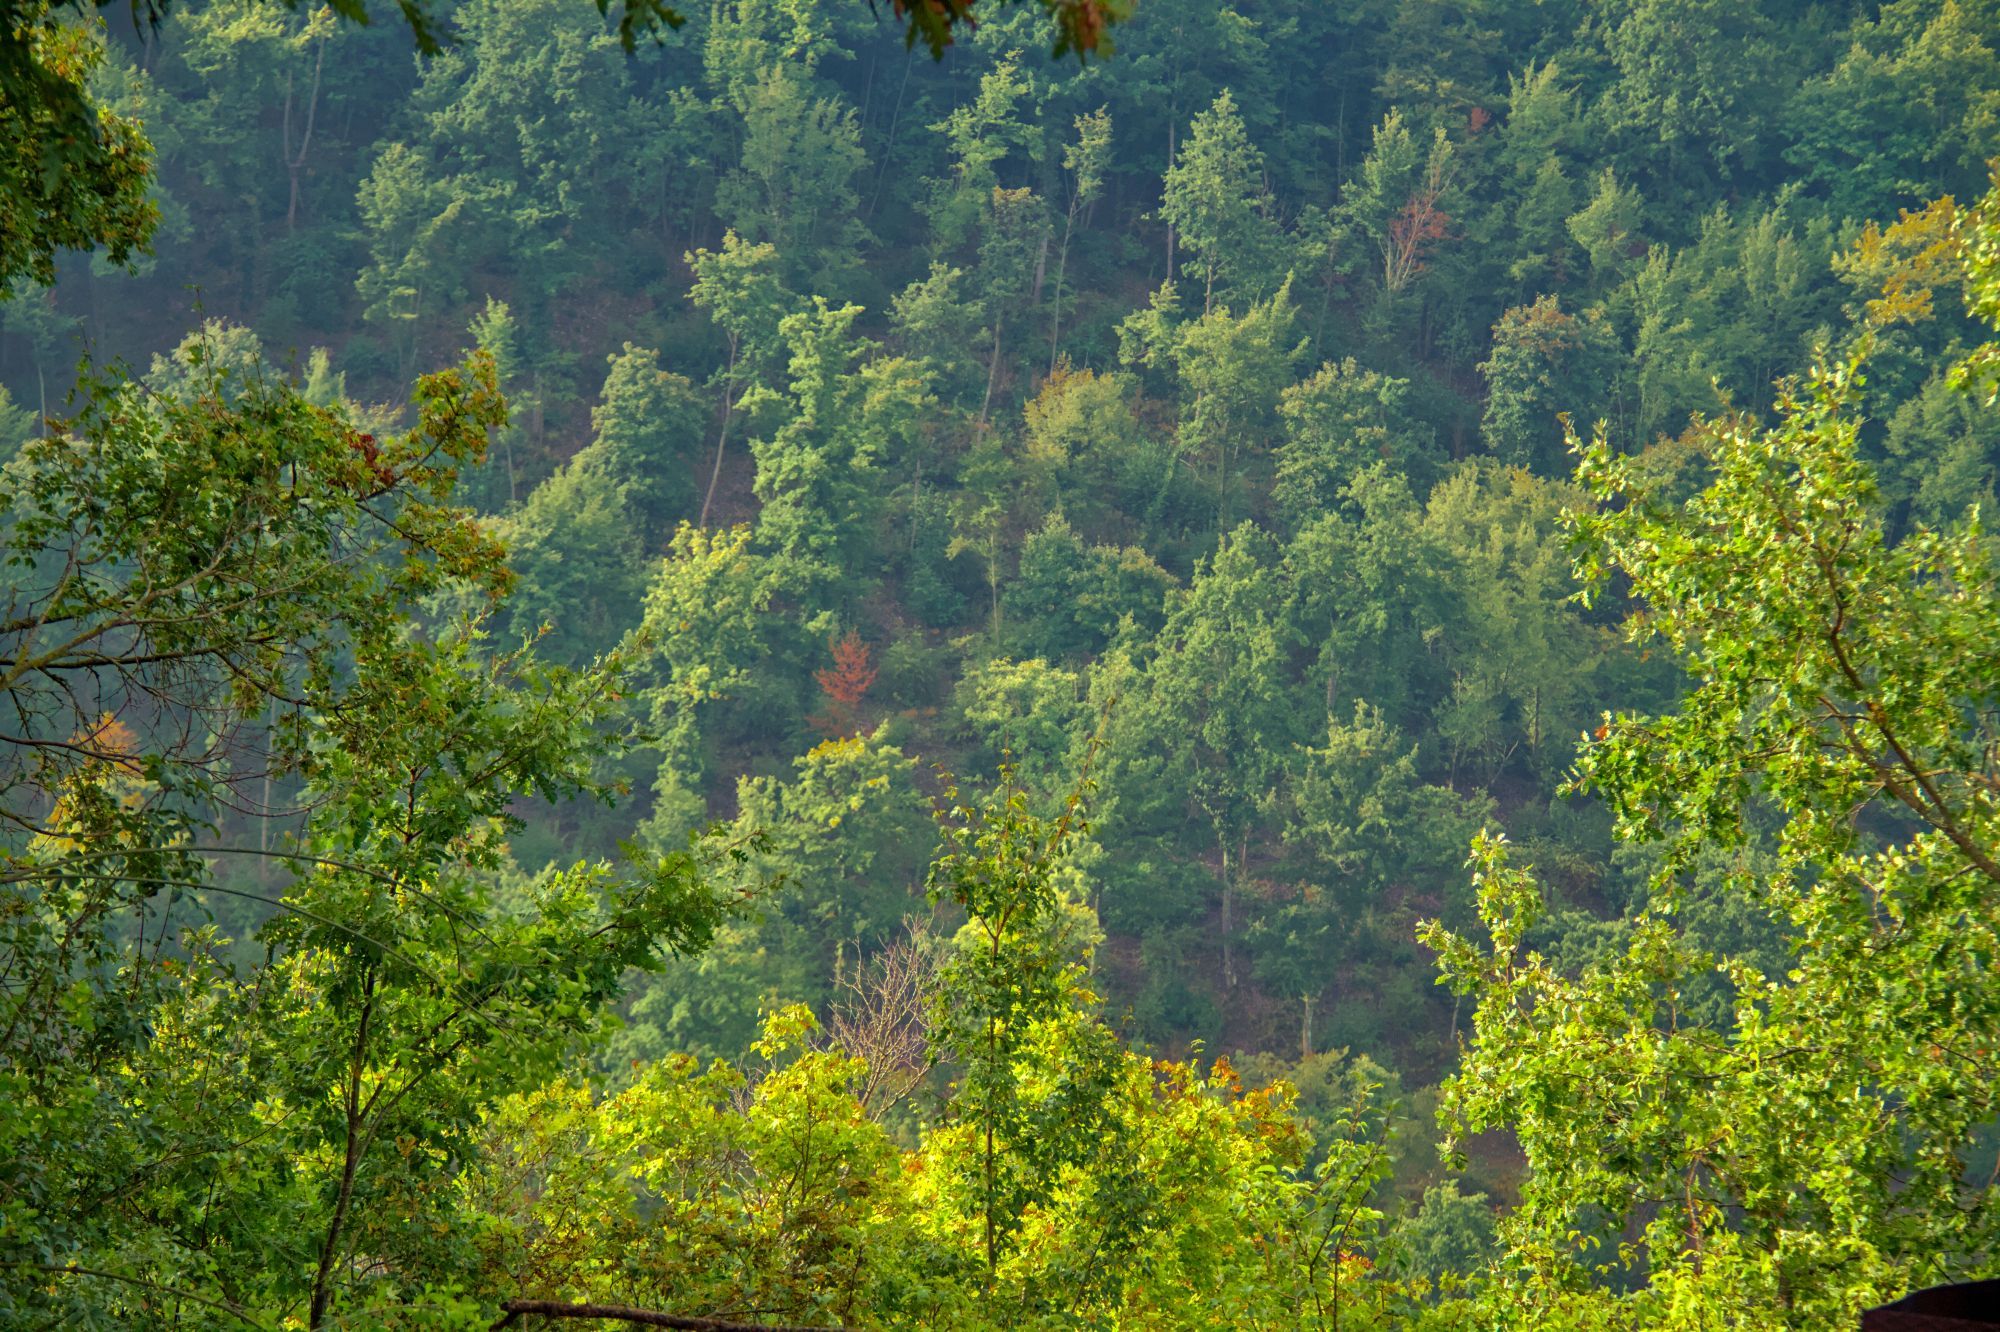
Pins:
x: 1735, y: 1137
x: 215, y: 594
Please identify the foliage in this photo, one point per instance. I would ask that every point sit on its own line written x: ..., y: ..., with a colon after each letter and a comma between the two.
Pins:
x: 235, y: 569
x: 1843, y: 692
x: 901, y: 401
x: 73, y: 172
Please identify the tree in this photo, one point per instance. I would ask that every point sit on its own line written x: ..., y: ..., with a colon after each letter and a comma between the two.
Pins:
x: 1607, y: 230
x: 73, y: 173
x: 1086, y: 161
x: 937, y: 325
x: 648, y: 425
x: 1844, y: 691
x: 1543, y: 127
x: 77, y: 172
x: 1543, y: 363
x: 512, y: 152
x: 848, y: 833
x: 1362, y: 822
x: 1217, y: 713
x: 1215, y: 200
x: 1448, y: 1241
x: 845, y: 683
x: 234, y: 571
x: 1699, y: 81
x: 1069, y: 599
x: 793, y: 186
x: 1015, y: 995
x: 759, y: 1183
x: 981, y: 136
x: 1028, y: 716
x: 765, y: 1183
x: 833, y: 848
x: 1116, y: 480
x: 1397, y: 202
x: 702, y: 633
x: 1233, y: 371
x: 1003, y: 493
x: 1915, y: 86
x: 739, y: 287
x: 1337, y: 423
x: 247, y: 57
x: 1526, y: 666
x: 17, y: 426
x: 581, y: 574
x: 841, y: 419
x: 1013, y: 243
x: 30, y: 311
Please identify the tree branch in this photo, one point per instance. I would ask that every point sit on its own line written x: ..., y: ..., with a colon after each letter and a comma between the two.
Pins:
x: 621, y: 1313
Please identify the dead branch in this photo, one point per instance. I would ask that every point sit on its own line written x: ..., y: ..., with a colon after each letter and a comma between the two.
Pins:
x: 620, y: 1313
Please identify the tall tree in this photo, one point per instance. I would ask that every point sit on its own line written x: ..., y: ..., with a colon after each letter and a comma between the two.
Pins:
x: 231, y: 1131
x: 1214, y: 198
x: 738, y: 285
x: 840, y: 419
x: 1844, y: 695
x: 648, y: 426
x: 1086, y: 161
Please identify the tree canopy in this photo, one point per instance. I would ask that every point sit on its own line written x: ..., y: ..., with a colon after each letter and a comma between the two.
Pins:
x: 693, y: 667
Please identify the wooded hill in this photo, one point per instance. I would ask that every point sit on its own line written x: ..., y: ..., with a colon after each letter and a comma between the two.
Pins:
x: 742, y: 668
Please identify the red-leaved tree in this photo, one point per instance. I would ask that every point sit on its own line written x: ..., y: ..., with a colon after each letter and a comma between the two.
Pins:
x: 845, y: 684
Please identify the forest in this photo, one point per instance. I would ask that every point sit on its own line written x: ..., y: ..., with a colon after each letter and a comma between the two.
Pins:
x: 998, y: 664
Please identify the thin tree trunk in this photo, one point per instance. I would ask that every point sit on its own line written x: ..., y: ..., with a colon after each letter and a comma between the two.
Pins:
x: 264, y: 814
x: 539, y: 414
x: 322, y: 1289
x: 889, y: 139
x: 722, y: 436
x: 294, y: 163
x: 1062, y: 270
x: 992, y: 1062
x: 1228, y: 962
x: 868, y: 89
x: 992, y: 368
x: 1222, y: 491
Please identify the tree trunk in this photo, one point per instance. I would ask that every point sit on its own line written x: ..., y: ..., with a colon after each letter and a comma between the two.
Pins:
x: 322, y: 1288
x: 722, y: 436
x: 1221, y: 491
x: 295, y: 162
x: 889, y: 139
x: 992, y: 368
x: 1228, y: 961
x: 1062, y: 269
